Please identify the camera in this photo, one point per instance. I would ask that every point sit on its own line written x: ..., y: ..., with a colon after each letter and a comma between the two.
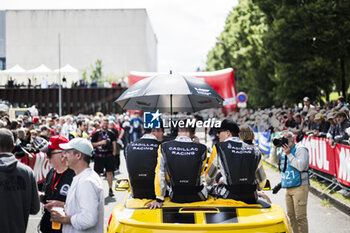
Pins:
x: 276, y: 188
x: 107, y: 145
x: 278, y: 142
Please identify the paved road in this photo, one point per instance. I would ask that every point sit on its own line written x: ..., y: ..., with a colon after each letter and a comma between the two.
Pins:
x: 322, y: 219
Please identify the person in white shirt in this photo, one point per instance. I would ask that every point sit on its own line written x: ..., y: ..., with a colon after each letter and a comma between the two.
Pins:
x: 85, y: 200
x: 67, y: 127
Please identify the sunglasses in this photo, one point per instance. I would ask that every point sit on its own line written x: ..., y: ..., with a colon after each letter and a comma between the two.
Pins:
x: 54, y: 152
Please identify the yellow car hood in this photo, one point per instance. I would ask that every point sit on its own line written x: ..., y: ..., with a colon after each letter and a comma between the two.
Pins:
x: 205, y: 216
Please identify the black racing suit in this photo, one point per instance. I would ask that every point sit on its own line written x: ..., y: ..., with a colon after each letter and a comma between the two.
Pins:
x: 241, y: 170
x: 183, y: 162
x: 141, y: 161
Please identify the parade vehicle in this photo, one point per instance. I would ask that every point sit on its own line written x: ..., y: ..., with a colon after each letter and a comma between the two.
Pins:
x: 213, y: 215
x: 15, y: 112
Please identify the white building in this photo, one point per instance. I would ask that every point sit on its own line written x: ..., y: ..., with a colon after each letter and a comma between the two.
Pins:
x: 122, y: 38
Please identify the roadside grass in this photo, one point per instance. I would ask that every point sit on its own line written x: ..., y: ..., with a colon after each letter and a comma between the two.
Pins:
x: 326, y: 203
x: 323, y: 186
x: 270, y: 166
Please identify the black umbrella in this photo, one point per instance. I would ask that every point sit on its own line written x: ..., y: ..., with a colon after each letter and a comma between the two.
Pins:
x: 170, y: 93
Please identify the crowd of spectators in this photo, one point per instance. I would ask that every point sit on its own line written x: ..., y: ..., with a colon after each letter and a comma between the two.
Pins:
x: 329, y: 121
x: 33, y: 133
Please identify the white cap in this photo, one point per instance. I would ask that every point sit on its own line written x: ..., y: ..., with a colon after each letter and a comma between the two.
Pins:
x: 80, y: 144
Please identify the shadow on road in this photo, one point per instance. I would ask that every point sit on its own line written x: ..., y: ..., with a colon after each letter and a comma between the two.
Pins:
x: 109, y: 200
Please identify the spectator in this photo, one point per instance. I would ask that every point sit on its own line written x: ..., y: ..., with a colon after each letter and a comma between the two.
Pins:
x: 113, y: 84
x: 37, y: 141
x: 123, y: 83
x: 310, y: 122
x: 298, y: 123
x: 322, y: 126
x: 290, y: 122
x: 342, y: 123
x: 341, y: 103
x: 104, y: 142
x: 19, y: 193
x: 85, y: 202
x: 331, y: 131
x: 126, y: 126
x: 36, y: 122
x: 111, y: 126
x: 307, y: 105
x: 67, y: 127
x: 29, y: 125
x: 80, y: 131
x: 136, y: 127
x: 58, y: 180
x: 64, y: 82
x: 45, y: 131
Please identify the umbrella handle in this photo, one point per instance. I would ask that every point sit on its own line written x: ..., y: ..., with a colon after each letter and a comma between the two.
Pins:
x: 171, y: 113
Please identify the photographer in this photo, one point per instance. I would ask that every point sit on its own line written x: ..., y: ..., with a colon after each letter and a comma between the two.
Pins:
x: 104, y: 142
x: 294, y: 166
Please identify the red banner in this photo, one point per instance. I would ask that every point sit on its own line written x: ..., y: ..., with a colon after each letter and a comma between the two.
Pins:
x: 321, y: 154
x: 333, y: 160
x: 222, y: 81
x: 40, y: 165
x: 342, y: 163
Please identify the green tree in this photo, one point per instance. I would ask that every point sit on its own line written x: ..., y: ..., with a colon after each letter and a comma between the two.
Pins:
x: 96, y: 71
x: 308, y: 41
x: 240, y: 46
x: 284, y: 50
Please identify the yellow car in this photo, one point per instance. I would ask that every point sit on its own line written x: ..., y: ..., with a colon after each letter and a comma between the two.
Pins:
x: 213, y: 215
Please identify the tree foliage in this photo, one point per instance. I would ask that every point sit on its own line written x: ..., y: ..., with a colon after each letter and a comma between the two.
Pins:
x: 96, y: 71
x: 285, y: 50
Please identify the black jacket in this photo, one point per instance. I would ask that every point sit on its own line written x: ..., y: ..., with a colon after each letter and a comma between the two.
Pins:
x: 18, y: 194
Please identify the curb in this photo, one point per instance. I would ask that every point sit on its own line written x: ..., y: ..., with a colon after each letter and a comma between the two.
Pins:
x: 335, y: 202
x: 343, y: 207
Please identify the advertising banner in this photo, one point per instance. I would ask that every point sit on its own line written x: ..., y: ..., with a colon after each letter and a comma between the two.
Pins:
x: 222, y: 81
x: 321, y: 154
x: 342, y: 163
x: 40, y: 165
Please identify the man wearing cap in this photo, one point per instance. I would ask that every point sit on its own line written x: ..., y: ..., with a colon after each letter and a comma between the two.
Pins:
x: 322, y: 126
x: 331, y: 131
x: 36, y: 122
x: 343, y: 123
x: 83, y: 211
x: 240, y: 166
x: 307, y: 105
x: 58, y: 180
x: 181, y: 162
x: 141, y: 174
